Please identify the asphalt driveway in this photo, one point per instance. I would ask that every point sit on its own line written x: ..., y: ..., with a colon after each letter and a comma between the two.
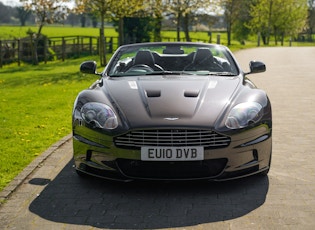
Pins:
x: 52, y: 196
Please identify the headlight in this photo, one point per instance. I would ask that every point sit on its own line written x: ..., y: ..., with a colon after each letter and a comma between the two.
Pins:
x: 244, y: 114
x: 99, y: 115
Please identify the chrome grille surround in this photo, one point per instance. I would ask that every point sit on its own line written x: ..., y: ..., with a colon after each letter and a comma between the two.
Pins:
x: 172, y: 138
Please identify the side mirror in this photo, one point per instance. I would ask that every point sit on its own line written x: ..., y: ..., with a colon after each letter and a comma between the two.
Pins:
x: 88, y: 67
x: 256, y: 67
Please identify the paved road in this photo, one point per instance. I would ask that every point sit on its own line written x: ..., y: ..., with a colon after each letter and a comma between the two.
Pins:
x: 54, y: 197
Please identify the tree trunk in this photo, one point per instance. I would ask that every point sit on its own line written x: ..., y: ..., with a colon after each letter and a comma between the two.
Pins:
x: 269, y: 22
x: 229, y: 31
x: 178, y: 26
x: 83, y: 20
x: 186, y: 27
x: 157, y: 29
x: 34, y: 44
x: 102, y: 43
x: 282, y: 38
x: 121, y: 31
x: 22, y: 22
x: 276, y: 34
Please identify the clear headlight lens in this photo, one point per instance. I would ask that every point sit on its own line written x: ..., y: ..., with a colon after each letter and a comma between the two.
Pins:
x: 99, y: 115
x: 243, y: 115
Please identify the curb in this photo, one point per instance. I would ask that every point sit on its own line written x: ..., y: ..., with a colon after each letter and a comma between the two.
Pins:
x: 37, y: 162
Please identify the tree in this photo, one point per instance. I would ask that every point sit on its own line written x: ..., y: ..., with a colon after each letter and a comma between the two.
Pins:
x: 98, y: 8
x: 234, y: 12
x: 157, y: 11
x: 260, y: 12
x: 137, y: 29
x: 240, y: 30
x: 123, y: 9
x: 277, y: 17
x: 73, y: 19
x: 5, y: 13
x: 117, y: 10
x: 46, y: 12
x: 22, y: 14
x: 181, y: 9
x: 184, y: 10
x: 311, y: 18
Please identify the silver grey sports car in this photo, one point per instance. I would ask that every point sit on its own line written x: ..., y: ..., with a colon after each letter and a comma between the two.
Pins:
x: 172, y: 111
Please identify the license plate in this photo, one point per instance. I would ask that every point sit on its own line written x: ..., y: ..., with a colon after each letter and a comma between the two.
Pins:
x: 152, y: 153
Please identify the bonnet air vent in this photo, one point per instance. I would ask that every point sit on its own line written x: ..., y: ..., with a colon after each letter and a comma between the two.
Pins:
x: 153, y: 93
x: 191, y: 93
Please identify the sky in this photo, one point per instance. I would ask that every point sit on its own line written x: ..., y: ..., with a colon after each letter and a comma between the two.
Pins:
x: 10, y: 2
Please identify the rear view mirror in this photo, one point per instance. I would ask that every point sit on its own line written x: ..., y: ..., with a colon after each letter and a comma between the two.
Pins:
x: 256, y: 67
x: 88, y: 67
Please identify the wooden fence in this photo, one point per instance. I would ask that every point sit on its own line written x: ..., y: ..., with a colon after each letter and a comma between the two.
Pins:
x: 57, y: 48
x: 52, y: 48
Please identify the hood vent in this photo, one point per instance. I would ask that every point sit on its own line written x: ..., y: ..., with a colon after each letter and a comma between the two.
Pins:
x: 153, y: 93
x: 157, y: 93
x: 191, y: 93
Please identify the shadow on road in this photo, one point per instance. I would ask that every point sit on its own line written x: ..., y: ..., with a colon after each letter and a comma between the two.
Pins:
x: 104, y: 204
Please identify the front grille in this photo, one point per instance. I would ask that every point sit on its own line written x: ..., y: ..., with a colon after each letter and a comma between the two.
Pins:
x: 172, y: 170
x: 172, y: 138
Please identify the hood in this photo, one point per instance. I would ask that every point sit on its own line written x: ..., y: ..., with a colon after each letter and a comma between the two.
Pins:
x: 152, y: 101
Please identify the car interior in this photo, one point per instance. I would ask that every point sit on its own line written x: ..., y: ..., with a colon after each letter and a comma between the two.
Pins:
x: 172, y: 59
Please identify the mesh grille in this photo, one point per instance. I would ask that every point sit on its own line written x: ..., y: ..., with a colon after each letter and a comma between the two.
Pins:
x: 172, y: 138
x: 172, y: 170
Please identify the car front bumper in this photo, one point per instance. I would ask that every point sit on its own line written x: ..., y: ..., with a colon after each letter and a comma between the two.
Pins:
x: 248, y: 153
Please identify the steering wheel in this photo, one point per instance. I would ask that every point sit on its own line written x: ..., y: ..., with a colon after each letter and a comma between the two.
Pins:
x: 140, y: 68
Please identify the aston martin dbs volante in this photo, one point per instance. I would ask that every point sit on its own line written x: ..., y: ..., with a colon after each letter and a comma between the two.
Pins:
x: 172, y: 111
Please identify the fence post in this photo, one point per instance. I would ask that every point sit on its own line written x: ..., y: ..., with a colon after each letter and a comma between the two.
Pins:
x: 63, y: 47
x: 218, y: 38
x: 82, y: 45
x: 110, y: 50
x: 210, y: 36
x: 45, y: 49
x: 90, y: 45
x: 98, y: 45
x: 54, y: 45
x: 19, y: 51
x: 13, y: 49
x: 78, y: 46
x: 0, y: 54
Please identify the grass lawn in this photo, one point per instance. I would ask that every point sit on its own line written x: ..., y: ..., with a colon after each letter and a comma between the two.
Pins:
x: 11, y: 32
x: 35, y: 110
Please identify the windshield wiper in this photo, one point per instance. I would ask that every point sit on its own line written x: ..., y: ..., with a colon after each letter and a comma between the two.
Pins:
x: 216, y: 73
x: 223, y: 74
x: 165, y: 72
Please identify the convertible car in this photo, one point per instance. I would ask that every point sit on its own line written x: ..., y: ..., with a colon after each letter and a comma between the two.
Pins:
x: 172, y: 111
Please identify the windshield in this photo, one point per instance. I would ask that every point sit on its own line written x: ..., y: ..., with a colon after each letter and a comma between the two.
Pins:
x: 172, y: 58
